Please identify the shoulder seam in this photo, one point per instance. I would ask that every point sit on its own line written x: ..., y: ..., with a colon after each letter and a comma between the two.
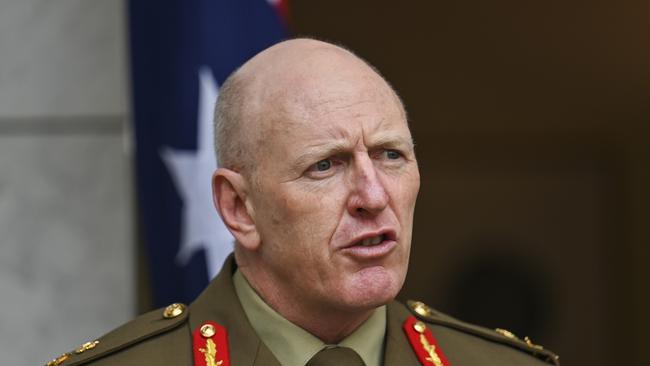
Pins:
x: 89, y: 357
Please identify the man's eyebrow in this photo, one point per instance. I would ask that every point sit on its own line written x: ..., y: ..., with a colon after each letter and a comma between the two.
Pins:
x: 394, y: 141
x: 321, y: 151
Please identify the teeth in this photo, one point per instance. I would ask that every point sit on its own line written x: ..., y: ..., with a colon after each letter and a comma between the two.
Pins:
x: 372, y: 241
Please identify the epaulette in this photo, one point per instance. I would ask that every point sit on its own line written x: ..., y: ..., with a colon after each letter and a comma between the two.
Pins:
x: 142, y: 328
x: 426, y: 313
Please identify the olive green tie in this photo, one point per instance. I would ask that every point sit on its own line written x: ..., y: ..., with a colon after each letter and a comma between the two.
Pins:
x: 336, y: 356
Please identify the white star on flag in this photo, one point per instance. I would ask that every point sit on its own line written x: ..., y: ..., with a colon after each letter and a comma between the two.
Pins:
x: 191, y: 171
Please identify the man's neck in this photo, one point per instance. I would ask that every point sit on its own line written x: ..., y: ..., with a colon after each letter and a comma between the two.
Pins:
x: 327, y: 324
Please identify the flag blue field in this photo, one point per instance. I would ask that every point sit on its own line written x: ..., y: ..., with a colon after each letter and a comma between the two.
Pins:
x: 181, y: 51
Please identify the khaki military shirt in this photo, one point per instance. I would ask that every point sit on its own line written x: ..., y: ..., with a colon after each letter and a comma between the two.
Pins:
x: 296, y: 346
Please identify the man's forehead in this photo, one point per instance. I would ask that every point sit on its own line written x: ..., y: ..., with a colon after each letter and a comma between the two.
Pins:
x: 341, y: 118
x: 294, y: 87
x: 336, y: 135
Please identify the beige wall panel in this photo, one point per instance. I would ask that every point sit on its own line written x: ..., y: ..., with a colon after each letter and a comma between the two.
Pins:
x: 62, y: 57
x: 66, y: 270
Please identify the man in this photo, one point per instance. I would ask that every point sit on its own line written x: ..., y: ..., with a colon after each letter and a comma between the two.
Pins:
x: 317, y: 183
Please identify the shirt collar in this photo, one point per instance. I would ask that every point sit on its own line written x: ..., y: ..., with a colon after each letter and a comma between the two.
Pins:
x: 296, y: 346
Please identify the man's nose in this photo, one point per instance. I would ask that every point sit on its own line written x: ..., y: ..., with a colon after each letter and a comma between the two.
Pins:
x: 368, y: 196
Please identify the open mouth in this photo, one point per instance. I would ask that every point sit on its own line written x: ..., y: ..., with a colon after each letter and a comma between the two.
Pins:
x: 372, y: 246
x: 371, y: 241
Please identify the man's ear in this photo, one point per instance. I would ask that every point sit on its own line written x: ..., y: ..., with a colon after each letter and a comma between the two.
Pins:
x: 230, y: 194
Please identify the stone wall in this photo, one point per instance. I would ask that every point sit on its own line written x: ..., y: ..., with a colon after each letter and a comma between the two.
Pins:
x: 66, y: 200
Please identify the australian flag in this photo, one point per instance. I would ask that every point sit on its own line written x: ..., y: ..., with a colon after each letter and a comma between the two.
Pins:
x: 181, y: 51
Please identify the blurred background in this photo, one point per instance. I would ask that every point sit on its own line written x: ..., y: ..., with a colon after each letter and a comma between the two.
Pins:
x: 532, y: 127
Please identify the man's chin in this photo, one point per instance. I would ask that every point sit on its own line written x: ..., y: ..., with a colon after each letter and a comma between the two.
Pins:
x: 371, y: 287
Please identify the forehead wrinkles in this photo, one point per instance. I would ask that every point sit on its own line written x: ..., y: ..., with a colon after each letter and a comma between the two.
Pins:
x: 326, y: 116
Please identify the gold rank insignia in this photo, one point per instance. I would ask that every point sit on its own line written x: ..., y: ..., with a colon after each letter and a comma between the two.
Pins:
x: 64, y: 357
x: 210, y: 343
x: 527, y: 340
x: 86, y: 347
x: 59, y: 360
x: 535, y: 348
x: 424, y: 344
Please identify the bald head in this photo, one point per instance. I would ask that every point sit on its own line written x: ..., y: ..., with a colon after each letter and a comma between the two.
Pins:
x: 295, y: 77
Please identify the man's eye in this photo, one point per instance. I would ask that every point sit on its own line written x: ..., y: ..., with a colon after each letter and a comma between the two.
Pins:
x: 323, y: 165
x: 392, y: 154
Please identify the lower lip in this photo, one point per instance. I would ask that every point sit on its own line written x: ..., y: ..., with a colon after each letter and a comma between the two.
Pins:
x: 371, y: 251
